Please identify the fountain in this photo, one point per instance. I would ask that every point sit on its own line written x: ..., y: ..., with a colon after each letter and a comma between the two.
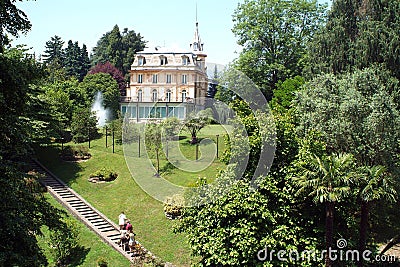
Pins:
x: 98, y: 108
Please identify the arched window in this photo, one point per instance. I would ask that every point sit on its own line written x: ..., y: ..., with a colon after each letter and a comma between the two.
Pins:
x: 141, y: 61
x: 185, y: 60
x: 184, y: 96
x: 168, y: 98
x: 140, y: 95
x: 154, y: 98
x: 163, y: 60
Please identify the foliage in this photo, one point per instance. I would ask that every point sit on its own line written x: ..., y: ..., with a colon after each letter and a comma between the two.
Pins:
x: 72, y: 153
x: 107, y: 67
x: 130, y: 132
x: 83, y: 125
x: 153, y: 141
x: 54, y: 52
x: 101, y: 262
x: 13, y: 21
x: 23, y: 212
x: 356, y: 113
x: 105, y: 174
x: 194, y: 123
x: 64, y: 242
x: 76, y: 61
x: 173, y: 206
x: 285, y: 92
x: 171, y: 127
x: 104, y: 83
x: 118, y: 48
x: 274, y: 35
x: 358, y: 34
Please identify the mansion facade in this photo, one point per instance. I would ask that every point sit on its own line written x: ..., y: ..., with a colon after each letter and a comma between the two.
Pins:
x: 166, y: 83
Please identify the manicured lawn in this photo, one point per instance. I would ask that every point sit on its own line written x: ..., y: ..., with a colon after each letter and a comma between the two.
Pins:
x: 93, y: 247
x: 153, y: 230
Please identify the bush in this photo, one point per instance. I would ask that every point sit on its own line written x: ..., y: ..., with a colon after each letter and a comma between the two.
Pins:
x: 101, y: 262
x: 173, y: 206
x: 72, y: 153
x: 104, y: 174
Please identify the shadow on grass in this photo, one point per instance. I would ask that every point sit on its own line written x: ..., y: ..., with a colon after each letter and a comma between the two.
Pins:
x: 49, y: 156
x: 78, y: 255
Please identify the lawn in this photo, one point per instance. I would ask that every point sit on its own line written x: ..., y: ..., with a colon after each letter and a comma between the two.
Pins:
x: 153, y: 230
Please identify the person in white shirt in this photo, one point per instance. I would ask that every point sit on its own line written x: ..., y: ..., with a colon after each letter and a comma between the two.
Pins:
x: 121, y: 220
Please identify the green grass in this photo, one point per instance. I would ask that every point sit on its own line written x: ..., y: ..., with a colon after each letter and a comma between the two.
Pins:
x: 153, y: 230
x: 93, y: 247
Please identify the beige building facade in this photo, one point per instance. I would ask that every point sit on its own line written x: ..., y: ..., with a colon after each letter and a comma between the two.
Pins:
x: 166, y: 82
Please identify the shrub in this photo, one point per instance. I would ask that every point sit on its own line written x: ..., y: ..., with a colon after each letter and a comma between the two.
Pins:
x: 75, y: 153
x: 105, y: 174
x: 101, y: 262
x: 173, y: 206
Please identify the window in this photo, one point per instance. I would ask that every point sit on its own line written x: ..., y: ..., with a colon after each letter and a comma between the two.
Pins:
x: 139, y: 95
x: 168, y: 98
x: 155, y: 78
x: 184, y: 78
x: 141, y: 61
x: 140, y: 78
x: 184, y: 96
x: 185, y: 60
x: 163, y: 60
x: 169, y: 78
x: 154, y: 98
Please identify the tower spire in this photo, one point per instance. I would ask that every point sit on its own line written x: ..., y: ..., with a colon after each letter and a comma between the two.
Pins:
x: 196, y: 44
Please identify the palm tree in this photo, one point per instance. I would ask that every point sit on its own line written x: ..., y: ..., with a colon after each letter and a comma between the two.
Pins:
x: 375, y: 185
x: 327, y: 179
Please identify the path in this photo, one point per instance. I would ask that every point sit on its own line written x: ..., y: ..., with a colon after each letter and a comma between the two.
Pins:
x: 81, y: 209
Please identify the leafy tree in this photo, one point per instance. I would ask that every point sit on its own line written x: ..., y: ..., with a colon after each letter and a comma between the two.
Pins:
x: 356, y: 113
x: 13, y: 21
x: 83, y: 125
x: 24, y: 209
x: 118, y: 49
x: 171, y: 127
x: 54, y: 52
x: 285, y: 92
x: 358, y: 34
x: 194, y: 123
x: 153, y: 140
x: 274, y: 35
x: 113, y: 71
x: 104, y: 83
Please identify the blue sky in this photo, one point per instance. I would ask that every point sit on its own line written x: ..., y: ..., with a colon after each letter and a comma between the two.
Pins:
x: 160, y: 22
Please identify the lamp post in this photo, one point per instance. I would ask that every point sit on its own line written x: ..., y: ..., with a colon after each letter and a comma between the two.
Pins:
x: 139, y: 143
x: 106, y: 136
x: 197, y: 151
x: 217, y: 144
x: 113, y: 139
x: 62, y: 143
x: 89, y: 134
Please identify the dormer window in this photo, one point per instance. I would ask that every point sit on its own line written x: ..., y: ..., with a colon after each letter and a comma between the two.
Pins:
x: 141, y: 61
x: 185, y: 60
x: 195, y: 46
x: 163, y: 60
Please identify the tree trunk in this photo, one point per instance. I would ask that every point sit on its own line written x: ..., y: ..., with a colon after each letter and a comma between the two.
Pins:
x: 158, y: 162
x: 363, y: 229
x: 329, y: 231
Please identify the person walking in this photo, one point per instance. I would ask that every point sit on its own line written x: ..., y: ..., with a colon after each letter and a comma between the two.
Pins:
x: 121, y: 220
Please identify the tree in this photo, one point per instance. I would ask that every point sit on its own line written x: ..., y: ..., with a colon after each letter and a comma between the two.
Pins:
x: 327, y: 179
x: 113, y: 71
x: 83, y: 125
x: 76, y: 62
x: 13, y: 21
x: 358, y: 34
x: 356, y: 113
x: 24, y: 209
x: 54, y: 52
x: 274, y: 35
x: 104, y: 83
x: 375, y: 184
x: 194, y: 124
x: 118, y: 49
x: 153, y: 141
